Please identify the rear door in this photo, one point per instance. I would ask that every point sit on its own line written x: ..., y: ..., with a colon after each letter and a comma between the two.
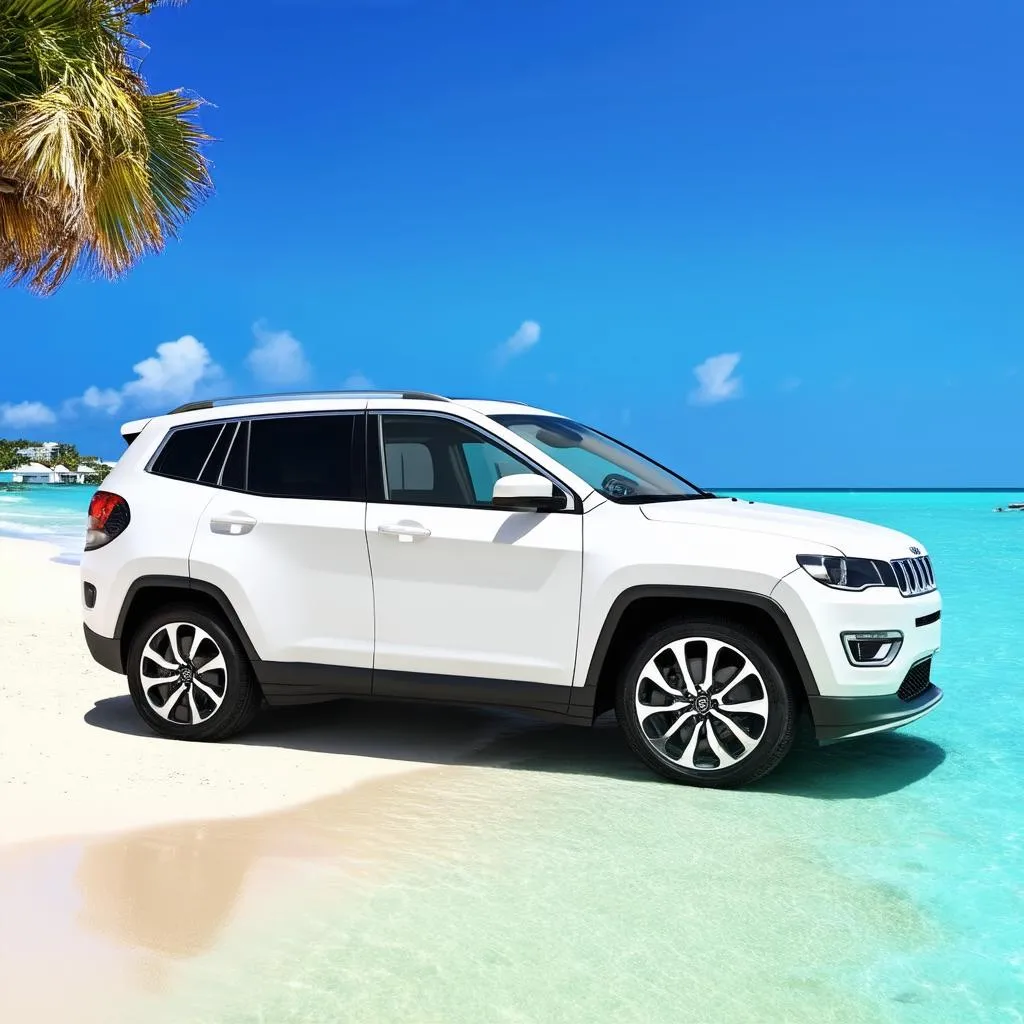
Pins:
x: 283, y: 537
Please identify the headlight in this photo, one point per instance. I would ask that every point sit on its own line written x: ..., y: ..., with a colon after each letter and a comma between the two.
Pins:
x: 847, y: 573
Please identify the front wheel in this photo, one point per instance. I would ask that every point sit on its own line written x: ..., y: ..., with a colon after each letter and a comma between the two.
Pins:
x: 189, y: 677
x: 704, y: 703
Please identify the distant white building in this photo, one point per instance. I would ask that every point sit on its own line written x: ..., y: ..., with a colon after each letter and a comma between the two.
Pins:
x: 40, y: 452
x: 30, y: 473
x: 34, y: 473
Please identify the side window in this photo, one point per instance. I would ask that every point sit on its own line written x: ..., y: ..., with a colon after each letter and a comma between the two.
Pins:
x: 303, y: 457
x: 432, y: 460
x: 211, y: 471
x: 487, y: 464
x: 186, y: 451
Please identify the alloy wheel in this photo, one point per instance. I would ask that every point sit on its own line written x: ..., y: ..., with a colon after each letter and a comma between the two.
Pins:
x: 701, y: 704
x: 183, y: 673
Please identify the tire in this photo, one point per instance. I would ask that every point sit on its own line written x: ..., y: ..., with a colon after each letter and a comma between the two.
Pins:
x: 197, y: 701
x: 741, y: 747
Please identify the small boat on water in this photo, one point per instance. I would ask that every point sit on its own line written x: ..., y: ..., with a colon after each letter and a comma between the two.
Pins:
x: 1016, y: 505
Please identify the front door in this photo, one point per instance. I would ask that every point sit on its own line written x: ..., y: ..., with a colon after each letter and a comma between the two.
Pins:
x: 471, y: 602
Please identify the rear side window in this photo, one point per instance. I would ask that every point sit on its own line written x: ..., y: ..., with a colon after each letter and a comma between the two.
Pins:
x: 211, y: 471
x: 303, y: 457
x: 185, y: 451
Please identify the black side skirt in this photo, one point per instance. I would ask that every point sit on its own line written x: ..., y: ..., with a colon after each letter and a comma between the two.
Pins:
x: 285, y: 684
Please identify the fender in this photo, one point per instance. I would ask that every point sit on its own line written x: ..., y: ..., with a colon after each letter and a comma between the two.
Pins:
x: 581, y: 703
x: 186, y: 585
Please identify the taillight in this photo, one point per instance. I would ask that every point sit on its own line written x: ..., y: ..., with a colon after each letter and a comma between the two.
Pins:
x: 109, y: 517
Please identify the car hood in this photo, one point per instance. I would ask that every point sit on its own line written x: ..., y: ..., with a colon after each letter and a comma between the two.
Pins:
x: 813, y: 529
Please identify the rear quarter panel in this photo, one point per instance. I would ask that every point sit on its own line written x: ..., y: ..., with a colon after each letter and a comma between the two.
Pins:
x: 157, y: 541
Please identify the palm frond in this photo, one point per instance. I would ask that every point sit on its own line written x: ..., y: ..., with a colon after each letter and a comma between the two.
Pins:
x: 95, y: 171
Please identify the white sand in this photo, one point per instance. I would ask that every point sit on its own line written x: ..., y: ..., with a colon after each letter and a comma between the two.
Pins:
x: 62, y: 776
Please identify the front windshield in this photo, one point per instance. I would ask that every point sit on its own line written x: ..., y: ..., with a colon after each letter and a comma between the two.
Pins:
x: 611, y: 468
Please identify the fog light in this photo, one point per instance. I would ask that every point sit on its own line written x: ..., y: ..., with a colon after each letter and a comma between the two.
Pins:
x: 89, y: 595
x: 873, y: 649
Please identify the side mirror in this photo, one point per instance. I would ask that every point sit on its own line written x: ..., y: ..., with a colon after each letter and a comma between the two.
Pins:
x: 527, y: 492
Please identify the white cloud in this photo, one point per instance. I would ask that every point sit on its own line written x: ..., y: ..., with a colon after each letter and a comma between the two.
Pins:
x: 357, y: 382
x: 170, y: 377
x: 715, y: 380
x: 102, y: 399
x: 525, y: 337
x: 26, y: 414
x: 277, y: 357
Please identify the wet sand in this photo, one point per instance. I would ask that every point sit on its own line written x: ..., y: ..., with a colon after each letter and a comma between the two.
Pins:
x: 121, y: 913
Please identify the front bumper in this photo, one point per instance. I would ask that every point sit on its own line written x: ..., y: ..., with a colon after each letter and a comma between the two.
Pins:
x: 842, y: 718
x: 820, y: 616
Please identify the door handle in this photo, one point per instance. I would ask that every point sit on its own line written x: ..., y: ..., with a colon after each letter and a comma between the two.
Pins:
x: 406, y: 532
x: 232, y: 524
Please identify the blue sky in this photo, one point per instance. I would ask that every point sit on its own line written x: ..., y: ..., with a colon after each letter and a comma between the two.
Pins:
x: 772, y: 244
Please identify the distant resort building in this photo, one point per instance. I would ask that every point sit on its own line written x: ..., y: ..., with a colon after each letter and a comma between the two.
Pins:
x: 40, y: 452
x: 36, y: 473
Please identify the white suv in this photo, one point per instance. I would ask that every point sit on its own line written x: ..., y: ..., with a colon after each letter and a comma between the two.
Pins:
x: 301, y: 548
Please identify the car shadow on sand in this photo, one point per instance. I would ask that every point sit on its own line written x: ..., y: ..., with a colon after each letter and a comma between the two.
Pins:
x: 868, y: 767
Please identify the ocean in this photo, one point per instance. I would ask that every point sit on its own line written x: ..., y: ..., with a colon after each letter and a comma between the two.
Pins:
x: 550, y: 878
x: 48, y: 513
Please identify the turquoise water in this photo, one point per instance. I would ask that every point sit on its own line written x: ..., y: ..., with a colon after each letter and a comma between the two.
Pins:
x: 551, y: 879
x: 53, y: 514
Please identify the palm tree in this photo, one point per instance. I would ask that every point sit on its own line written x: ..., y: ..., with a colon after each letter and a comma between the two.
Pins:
x: 95, y: 170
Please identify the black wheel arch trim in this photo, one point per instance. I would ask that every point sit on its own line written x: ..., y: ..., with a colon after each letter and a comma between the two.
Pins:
x: 187, y: 585
x: 583, y: 697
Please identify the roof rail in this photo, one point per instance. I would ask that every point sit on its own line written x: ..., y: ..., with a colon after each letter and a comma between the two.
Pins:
x: 285, y: 396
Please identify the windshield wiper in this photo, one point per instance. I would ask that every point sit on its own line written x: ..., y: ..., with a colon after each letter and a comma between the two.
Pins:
x: 644, y: 499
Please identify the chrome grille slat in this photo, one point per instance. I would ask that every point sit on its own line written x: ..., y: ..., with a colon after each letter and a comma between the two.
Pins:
x: 914, y: 576
x: 901, y: 577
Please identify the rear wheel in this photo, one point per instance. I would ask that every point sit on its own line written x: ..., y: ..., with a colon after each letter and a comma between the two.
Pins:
x: 189, y: 677
x: 705, y: 703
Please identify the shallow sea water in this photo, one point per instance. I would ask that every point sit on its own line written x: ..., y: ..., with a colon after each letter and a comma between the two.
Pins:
x: 549, y: 878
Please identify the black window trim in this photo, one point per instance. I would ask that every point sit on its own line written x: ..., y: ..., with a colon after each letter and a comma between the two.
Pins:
x: 376, y: 488
x: 357, y: 453
x: 239, y: 425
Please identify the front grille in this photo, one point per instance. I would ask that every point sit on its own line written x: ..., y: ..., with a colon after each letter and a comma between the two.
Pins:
x: 914, y: 575
x: 917, y: 680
